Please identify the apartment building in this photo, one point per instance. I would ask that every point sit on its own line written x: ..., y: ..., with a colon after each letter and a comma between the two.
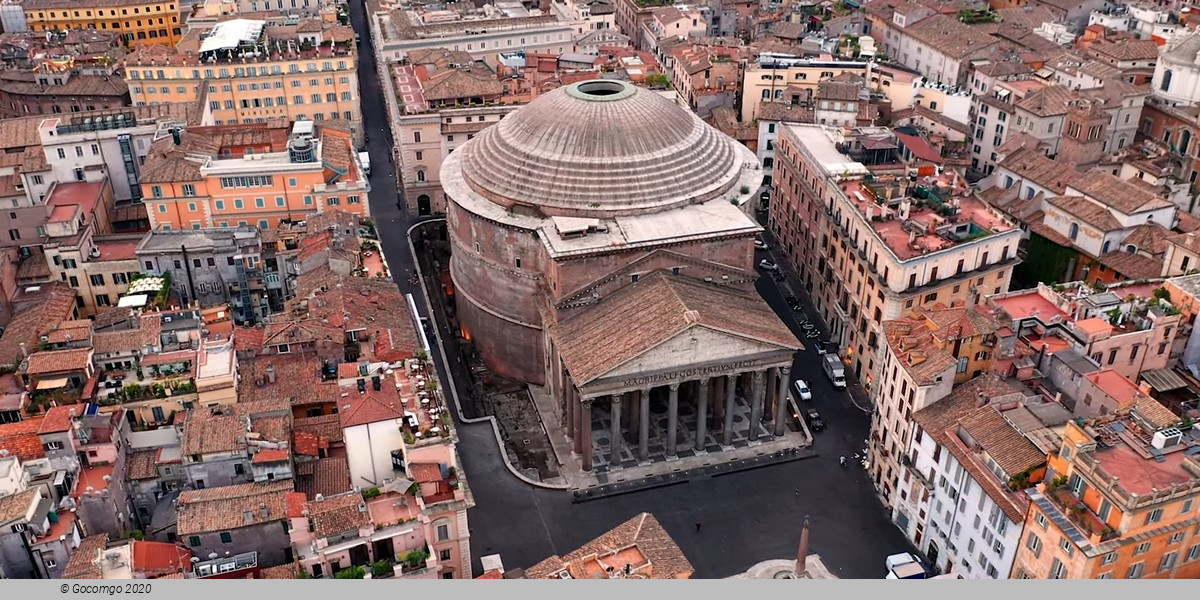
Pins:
x: 789, y: 79
x: 222, y: 266
x: 251, y: 175
x: 485, y: 32
x: 867, y: 249
x: 106, y: 265
x: 448, y: 97
x: 1118, y: 501
x: 256, y: 71
x: 111, y: 144
x: 973, y: 453
x: 140, y: 22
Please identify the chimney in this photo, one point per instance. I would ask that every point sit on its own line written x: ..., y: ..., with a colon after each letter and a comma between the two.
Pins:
x: 981, y: 400
x: 905, y: 206
x: 263, y: 511
x: 271, y: 373
x: 802, y: 553
x: 177, y: 135
x: 24, y: 352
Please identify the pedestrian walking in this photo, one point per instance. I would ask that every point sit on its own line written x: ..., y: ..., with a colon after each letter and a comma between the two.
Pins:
x: 697, y: 526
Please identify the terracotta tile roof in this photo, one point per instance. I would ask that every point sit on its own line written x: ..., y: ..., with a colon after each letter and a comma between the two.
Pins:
x: 1003, y: 443
x: 30, y: 324
x: 1149, y: 238
x: 338, y: 514
x: 59, y: 361
x: 326, y: 476
x: 82, y: 564
x: 160, y: 558
x: 141, y: 465
x: 1087, y: 211
x: 1117, y: 193
x: 1034, y: 165
x: 959, y: 322
x: 425, y: 472
x: 16, y: 506
x: 21, y: 439
x: 297, y: 379
x: 1187, y: 241
x: 209, y: 430
x: 327, y: 427
x: 232, y: 506
x: 1125, y: 49
x: 270, y: 455
x: 664, y: 557
x: 656, y: 309
x: 1186, y: 223
x: 940, y: 420
x: 71, y: 331
x: 1154, y: 412
x: 911, y: 342
x: 1132, y: 266
x: 273, y: 428
x: 58, y: 419
x: 144, y: 332
x: 248, y: 338
x: 306, y: 443
x: 280, y: 572
x: 370, y: 407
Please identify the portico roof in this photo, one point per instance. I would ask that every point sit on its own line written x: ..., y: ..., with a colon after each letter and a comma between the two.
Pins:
x: 655, y: 310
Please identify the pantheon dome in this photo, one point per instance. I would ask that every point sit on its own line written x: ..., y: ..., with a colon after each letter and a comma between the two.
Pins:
x: 576, y: 188
x: 598, y: 149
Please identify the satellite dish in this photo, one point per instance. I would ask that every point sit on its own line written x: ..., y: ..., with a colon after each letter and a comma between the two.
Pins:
x: 212, y: 555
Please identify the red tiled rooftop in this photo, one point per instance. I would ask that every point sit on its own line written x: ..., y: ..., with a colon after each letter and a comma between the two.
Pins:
x: 1029, y: 304
x: 62, y: 214
x: 92, y: 477
x: 1094, y: 326
x: 425, y: 472
x: 159, y: 556
x: 270, y: 455
x: 1116, y: 385
x: 117, y: 249
x: 1139, y: 475
x: 84, y: 194
x: 66, y: 521
x: 58, y: 419
x: 21, y: 439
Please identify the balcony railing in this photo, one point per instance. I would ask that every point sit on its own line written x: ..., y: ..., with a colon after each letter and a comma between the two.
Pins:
x: 1080, y: 515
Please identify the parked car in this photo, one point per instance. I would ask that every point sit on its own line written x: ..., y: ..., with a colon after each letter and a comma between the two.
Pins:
x: 761, y: 245
x: 768, y: 265
x: 764, y: 197
x: 820, y: 347
x: 802, y: 391
x: 815, y: 422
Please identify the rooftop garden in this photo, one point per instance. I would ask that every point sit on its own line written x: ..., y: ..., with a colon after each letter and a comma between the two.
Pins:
x: 1077, y: 512
x: 975, y: 17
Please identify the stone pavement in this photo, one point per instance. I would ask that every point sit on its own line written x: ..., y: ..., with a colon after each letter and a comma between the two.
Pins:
x: 786, y: 569
x: 631, y: 471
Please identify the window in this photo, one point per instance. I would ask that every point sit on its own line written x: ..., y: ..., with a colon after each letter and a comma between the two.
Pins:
x: 1110, y: 558
x: 1135, y: 571
x: 444, y: 555
x: 1193, y: 553
x: 226, y: 537
x: 52, y: 446
x: 1156, y: 514
x: 443, y: 532
x: 1058, y: 570
x: 97, y: 279
x: 1141, y: 548
x: 1168, y: 561
x: 1040, y: 519
x: 1066, y: 546
x: 156, y: 191
x: 1034, y: 543
x: 194, y: 541
x: 189, y: 190
x: 102, y: 300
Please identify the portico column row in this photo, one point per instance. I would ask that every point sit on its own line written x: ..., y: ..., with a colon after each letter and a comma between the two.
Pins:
x: 672, y: 418
x: 781, y: 406
x: 730, y: 394
x: 702, y: 414
x: 757, y: 396
x: 614, y: 444
x: 585, y: 433
x: 569, y: 419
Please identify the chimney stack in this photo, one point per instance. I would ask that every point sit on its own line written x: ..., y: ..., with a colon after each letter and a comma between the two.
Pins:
x: 271, y: 373
x: 982, y: 400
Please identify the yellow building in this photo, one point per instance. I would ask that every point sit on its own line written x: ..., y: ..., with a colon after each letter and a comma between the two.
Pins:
x: 256, y: 71
x: 967, y: 333
x: 140, y: 22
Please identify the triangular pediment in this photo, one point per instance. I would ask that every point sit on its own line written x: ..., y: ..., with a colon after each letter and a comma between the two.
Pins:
x: 697, y: 345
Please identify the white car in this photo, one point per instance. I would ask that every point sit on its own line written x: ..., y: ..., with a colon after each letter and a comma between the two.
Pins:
x: 760, y: 245
x: 767, y: 265
x: 802, y: 391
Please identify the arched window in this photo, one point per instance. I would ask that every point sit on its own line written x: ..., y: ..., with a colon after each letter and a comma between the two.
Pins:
x: 1166, y: 81
x: 1131, y: 249
x: 766, y: 94
x: 420, y: 175
x: 1074, y: 231
x: 1185, y: 140
x: 1107, y: 245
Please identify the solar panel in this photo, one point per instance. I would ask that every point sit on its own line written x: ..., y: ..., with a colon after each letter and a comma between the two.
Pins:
x: 1116, y: 427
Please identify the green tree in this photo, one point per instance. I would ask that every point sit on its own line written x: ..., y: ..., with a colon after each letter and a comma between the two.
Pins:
x: 658, y: 80
x: 351, y: 573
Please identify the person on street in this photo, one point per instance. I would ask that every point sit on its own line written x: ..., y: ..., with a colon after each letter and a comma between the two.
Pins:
x: 697, y: 526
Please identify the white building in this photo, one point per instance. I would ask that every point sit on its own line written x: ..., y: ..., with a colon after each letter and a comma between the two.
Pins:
x: 1177, y: 74
x: 961, y: 500
x: 372, y: 428
x: 88, y: 146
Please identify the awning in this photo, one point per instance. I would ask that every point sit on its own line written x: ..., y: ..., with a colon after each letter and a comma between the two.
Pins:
x: 133, y: 301
x: 52, y: 384
x: 1164, y: 380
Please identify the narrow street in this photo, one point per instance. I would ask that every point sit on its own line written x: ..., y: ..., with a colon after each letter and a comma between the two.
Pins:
x: 747, y: 517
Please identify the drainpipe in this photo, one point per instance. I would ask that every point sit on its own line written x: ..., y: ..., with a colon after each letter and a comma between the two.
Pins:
x: 187, y: 267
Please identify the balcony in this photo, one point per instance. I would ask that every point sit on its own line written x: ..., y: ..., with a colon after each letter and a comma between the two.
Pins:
x: 1080, y: 515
